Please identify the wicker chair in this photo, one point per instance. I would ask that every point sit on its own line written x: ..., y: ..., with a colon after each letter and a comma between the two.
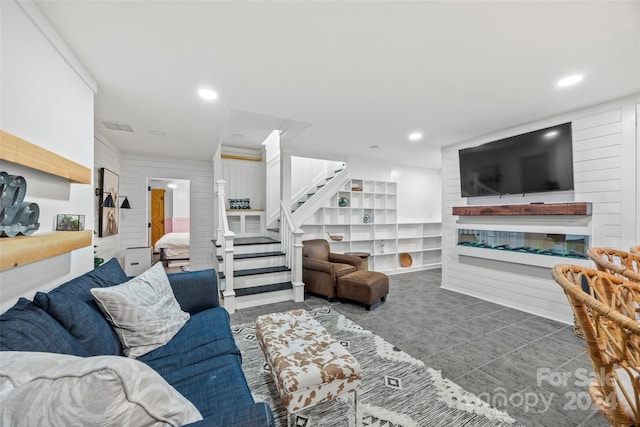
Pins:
x: 606, y: 307
x: 635, y: 250
x: 616, y: 262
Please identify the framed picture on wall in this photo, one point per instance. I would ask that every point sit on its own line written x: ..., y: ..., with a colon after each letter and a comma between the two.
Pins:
x: 108, y: 216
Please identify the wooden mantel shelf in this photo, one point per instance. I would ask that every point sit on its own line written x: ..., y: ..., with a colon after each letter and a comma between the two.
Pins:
x: 574, y: 208
x: 21, y: 250
x: 17, y: 150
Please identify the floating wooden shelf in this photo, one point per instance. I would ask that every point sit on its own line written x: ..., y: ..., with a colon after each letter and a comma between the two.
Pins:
x: 21, y: 250
x: 574, y: 208
x: 21, y: 152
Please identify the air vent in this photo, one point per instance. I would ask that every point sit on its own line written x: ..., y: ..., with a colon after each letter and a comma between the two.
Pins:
x: 118, y: 126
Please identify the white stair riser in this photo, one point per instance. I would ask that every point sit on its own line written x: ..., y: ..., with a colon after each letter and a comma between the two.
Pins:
x: 261, y: 279
x: 249, y: 249
x: 275, y: 235
x: 264, y: 298
x: 270, y: 261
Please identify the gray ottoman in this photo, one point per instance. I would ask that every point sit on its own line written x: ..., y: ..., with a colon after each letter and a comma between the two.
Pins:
x: 365, y: 287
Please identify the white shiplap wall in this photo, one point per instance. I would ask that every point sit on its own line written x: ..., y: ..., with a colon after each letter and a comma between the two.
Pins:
x: 245, y: 179
x: 105, y: 156
x: 136, y: 169
x: 605, y: 174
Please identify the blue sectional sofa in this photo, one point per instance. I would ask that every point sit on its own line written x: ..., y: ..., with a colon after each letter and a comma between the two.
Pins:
x: 201, y: 361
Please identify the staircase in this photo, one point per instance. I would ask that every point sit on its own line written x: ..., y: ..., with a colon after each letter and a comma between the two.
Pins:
x: 264, y: 270
x: 274, y: 231
x: 313, y: 189
x: 260, y: 274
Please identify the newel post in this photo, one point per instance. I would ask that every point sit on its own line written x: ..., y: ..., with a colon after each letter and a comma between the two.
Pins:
x: 220, y: 193
x: 229, y: 293
x: 296, y: 271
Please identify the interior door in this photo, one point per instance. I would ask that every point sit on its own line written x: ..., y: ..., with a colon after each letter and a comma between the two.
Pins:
x: 157, y: 215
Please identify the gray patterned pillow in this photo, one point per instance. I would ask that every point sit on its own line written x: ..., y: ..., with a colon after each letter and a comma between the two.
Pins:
x: 239, y: 204
x: 143, y: 311
x: 48, y: 389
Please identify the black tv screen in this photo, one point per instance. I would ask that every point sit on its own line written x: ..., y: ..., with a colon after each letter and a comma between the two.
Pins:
x: 533, y: 162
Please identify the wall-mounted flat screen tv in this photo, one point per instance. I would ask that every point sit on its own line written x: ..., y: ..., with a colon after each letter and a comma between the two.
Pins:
x: 533, y: 162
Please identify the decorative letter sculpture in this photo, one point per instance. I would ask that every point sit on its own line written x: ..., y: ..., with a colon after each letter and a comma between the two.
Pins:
x: 16, y: 215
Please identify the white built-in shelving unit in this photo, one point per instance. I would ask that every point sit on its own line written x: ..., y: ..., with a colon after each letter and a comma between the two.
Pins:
x: 368, y: 222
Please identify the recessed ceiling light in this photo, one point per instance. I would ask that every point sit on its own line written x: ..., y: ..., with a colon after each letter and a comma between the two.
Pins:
x: 415, y: 136
x: 373, y: 147
x: 570, y: 80
x: 551, y: 134
x: 157, y: 132
x: 207, y: 94
x: 237, y: 136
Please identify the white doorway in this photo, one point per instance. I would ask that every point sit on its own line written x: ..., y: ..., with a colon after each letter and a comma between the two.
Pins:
x: 169, y: 222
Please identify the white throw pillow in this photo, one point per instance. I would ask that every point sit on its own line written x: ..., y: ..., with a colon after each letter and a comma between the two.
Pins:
x: 49, y: 389
x: 143, y: 311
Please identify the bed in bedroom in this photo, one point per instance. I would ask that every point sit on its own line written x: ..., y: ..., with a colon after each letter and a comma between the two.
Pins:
x: 173, y: 247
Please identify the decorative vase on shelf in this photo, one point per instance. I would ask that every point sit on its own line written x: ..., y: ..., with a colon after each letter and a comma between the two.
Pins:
x: 343, y: 202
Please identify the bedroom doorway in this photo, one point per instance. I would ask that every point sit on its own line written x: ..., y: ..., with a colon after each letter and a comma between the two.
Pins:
x: 169, y: 222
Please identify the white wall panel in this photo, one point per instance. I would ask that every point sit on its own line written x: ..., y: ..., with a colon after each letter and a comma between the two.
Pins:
x: 593, y: 120
x: 598, y: 131
x: 597, y: 164
x: 602, y: 153
x: 601, y: 141
x: 136, y: 170
x: 106, y: 156
x: 244, y: 180
x: 605, y: 139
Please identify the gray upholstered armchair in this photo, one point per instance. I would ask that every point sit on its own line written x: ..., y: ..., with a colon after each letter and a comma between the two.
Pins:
x: 322, y: 268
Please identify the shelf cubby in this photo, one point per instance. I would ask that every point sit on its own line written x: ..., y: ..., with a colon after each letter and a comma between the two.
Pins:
x: 432, y: 242
x: 361, y: 232
x: 378, y: 201
x: 356, y: 200
x: 367, y: 201
x: 409, y: 230
x: 409, y: 245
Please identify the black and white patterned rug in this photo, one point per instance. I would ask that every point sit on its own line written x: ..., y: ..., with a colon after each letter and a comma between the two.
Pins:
x: 397, y: 390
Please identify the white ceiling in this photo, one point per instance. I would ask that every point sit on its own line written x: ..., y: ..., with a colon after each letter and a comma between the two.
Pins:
x: 341, y: 76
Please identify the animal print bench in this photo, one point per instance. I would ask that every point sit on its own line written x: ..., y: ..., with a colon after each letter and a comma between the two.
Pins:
x: 308, y: 365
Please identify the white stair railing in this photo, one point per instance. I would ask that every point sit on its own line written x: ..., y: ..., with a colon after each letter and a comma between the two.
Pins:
x: 225, y: 240
x: 291, y: 242
x: 332, y: 170
x: 305, y: 211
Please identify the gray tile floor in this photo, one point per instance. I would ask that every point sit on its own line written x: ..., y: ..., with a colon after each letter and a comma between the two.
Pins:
x: 534, y: 368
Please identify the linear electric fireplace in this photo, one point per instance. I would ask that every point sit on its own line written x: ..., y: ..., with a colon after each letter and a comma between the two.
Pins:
x: 560, y: 245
